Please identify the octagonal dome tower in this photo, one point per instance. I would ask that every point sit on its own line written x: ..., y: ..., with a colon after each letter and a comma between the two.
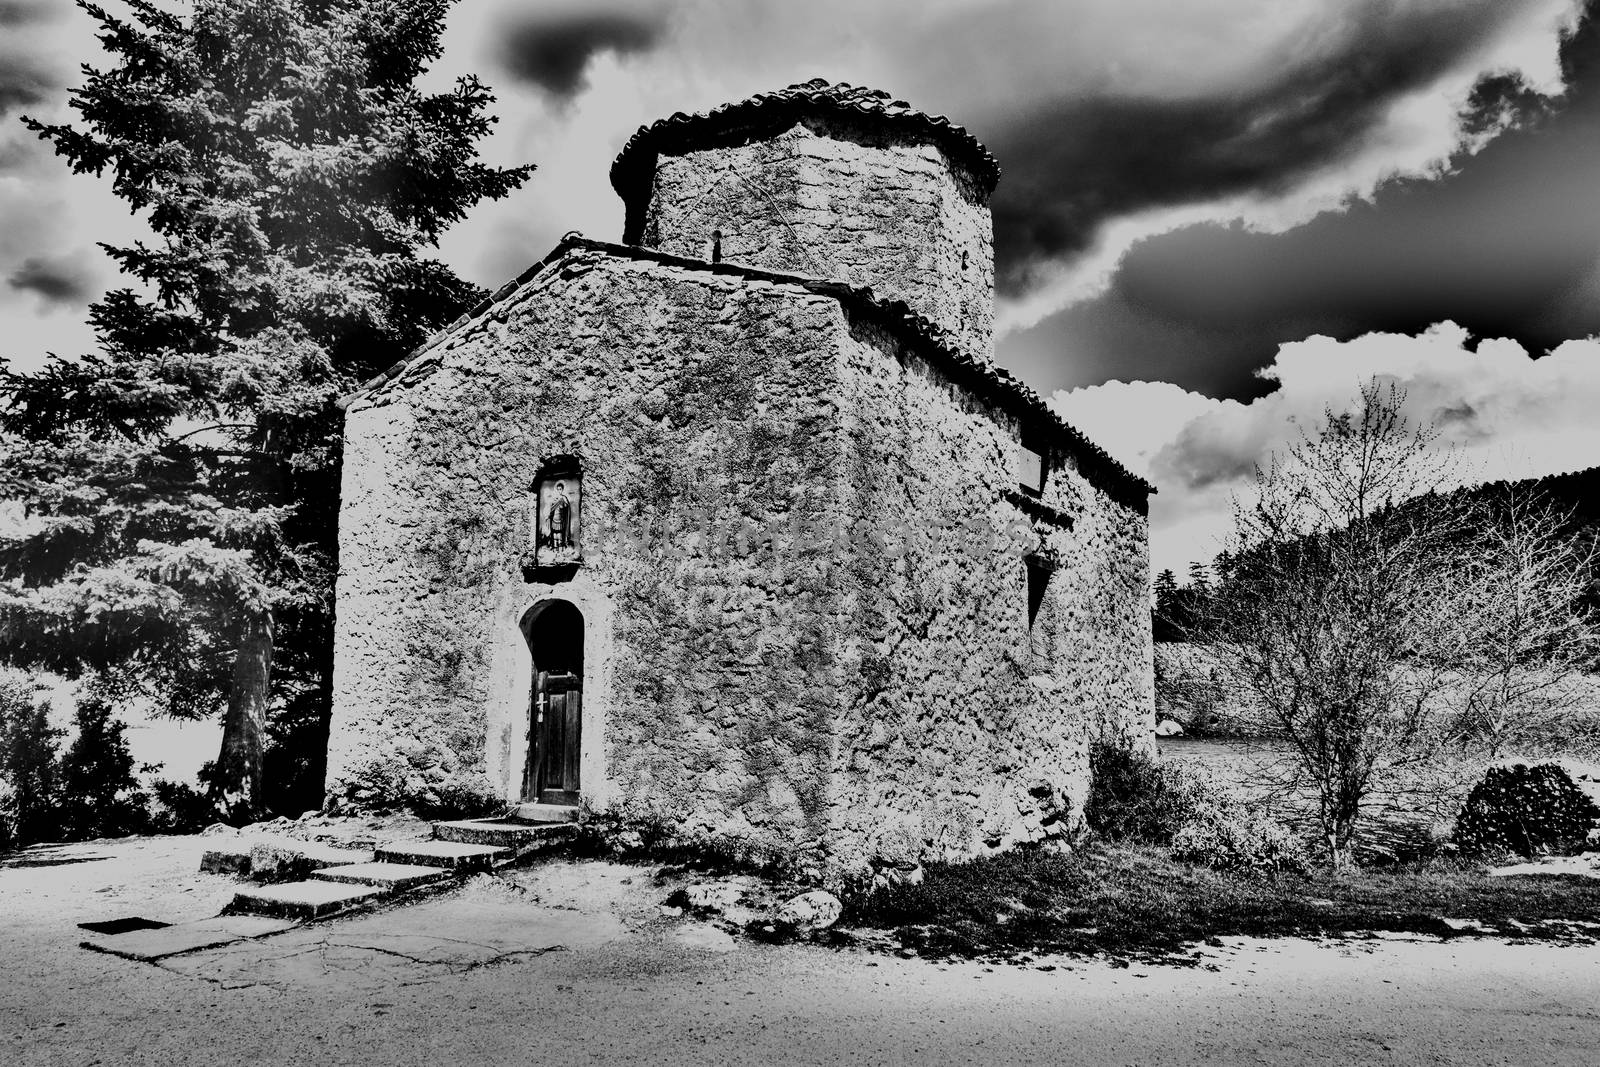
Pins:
x: 829, y: 181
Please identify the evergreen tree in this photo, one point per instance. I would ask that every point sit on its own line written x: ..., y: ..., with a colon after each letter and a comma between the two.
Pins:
x: 30, y: 769
x: 182, y: 482
x: 99, y: 789
x: 1164, y: 623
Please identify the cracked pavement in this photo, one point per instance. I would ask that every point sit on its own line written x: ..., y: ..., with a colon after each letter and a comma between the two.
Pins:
x: 574, y: 962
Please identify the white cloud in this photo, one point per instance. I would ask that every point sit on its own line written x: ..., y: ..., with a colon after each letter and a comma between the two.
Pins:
x: 1506, y: 414
x: 979, y: 61
x: 983, y: 63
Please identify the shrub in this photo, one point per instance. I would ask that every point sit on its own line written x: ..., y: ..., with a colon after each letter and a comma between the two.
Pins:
x: 99, y: 791
x: 385, y: 785
x: 455, y: 799
x: 30, y: 768
x: 181, y: 808
x: 91, y: 790
x: 1229, y: 837
x: 1529, y: 810
x: 1135, y: 797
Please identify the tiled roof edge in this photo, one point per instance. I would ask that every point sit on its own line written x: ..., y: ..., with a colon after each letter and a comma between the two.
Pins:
x: 979, y: 376
x: 818, y: 96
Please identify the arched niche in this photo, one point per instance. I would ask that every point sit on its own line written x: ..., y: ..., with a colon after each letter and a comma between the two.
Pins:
x: 555, y: 505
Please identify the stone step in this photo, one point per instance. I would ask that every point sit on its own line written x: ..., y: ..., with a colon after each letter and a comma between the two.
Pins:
x: 451, y: 855
x: 396, y: 877
x: 511, y: 834
x: 311, y: 899
x: 544, y: 813
x: 269, y: 856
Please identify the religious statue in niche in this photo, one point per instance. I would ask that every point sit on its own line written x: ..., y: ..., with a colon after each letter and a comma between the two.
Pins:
x: 557, y: 506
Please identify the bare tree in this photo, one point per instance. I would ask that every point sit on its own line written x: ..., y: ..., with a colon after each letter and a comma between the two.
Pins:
x: 1528, y: 638
x: 1359, y: 599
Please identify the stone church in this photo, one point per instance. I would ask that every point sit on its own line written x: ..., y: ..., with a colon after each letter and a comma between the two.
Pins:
x: 735, y: 528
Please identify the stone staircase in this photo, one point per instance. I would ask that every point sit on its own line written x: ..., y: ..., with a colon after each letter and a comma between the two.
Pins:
x: 356, y: 879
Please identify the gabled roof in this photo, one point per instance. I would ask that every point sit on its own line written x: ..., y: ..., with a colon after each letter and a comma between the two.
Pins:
x: 978, y: 376
x: 779, y: 108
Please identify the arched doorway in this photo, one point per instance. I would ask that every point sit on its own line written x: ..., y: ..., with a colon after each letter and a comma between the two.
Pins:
x: 554, y: 631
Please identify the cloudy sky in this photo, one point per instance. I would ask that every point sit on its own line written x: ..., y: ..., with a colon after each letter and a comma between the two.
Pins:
x: 1215, y: 216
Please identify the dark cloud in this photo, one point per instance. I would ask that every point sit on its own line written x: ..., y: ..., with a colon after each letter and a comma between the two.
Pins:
x: 551, y: 47
x: 15, y: 13
x: 1507, y: 246
x: 24, y: 82
x: 66, y: 280
x: 1076, y: 162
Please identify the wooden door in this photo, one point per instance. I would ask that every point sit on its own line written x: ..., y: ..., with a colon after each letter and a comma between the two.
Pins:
x: 557, y: 734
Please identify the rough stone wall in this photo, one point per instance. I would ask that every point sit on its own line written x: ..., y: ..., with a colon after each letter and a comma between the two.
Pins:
x: 831, y: 201
x: 961, y: 730
x: 697, y: 404
x: 804, y: 594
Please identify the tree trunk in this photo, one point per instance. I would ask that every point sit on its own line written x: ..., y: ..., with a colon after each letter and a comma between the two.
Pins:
x: 236, y: 786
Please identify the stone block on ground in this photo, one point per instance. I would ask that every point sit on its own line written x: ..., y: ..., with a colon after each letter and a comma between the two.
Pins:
x: 227, y: 857
x: 720, y: 897
x: 311, y: 899
x: 394, y: 876
x: 810, y: 912
x: 546, y: 813
x: 449, y: 854
x: 503, y: 832
x: 279, y: 859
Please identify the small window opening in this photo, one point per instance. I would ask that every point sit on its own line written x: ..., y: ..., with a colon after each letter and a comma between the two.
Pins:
x: 1030, y: 470
x: 716, y: 246
x: 1038, y: 579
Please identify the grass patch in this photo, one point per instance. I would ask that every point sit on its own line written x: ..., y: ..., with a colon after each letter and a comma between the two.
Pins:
x: 1136, y: 903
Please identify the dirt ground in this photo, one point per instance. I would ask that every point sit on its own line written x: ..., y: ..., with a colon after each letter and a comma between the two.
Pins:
x: 575, y: 962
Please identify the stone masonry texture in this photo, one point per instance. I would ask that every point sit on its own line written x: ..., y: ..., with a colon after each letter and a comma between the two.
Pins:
x: 830, y: 199
x: 807, y: 629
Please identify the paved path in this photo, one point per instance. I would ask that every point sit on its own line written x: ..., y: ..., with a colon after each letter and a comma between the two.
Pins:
x: 573, y: 964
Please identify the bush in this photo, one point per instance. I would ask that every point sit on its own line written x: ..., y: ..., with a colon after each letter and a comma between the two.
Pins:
x: 457, y: 800
x: 1135, y: 797
x: 1230, y: 837
x: 1529, y: 810
x: 99, y: 791
x: 91, y: 790
x: 30, y: 768
x: 181, y: 809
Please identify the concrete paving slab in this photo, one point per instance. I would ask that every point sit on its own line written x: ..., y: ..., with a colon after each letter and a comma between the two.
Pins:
x: 383, y: 875
x: 310, y: 899
x: 449, y: 854
x: 156, y: 944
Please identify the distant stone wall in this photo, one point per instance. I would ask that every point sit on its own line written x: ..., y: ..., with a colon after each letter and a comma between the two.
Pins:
x: 832, y: 201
